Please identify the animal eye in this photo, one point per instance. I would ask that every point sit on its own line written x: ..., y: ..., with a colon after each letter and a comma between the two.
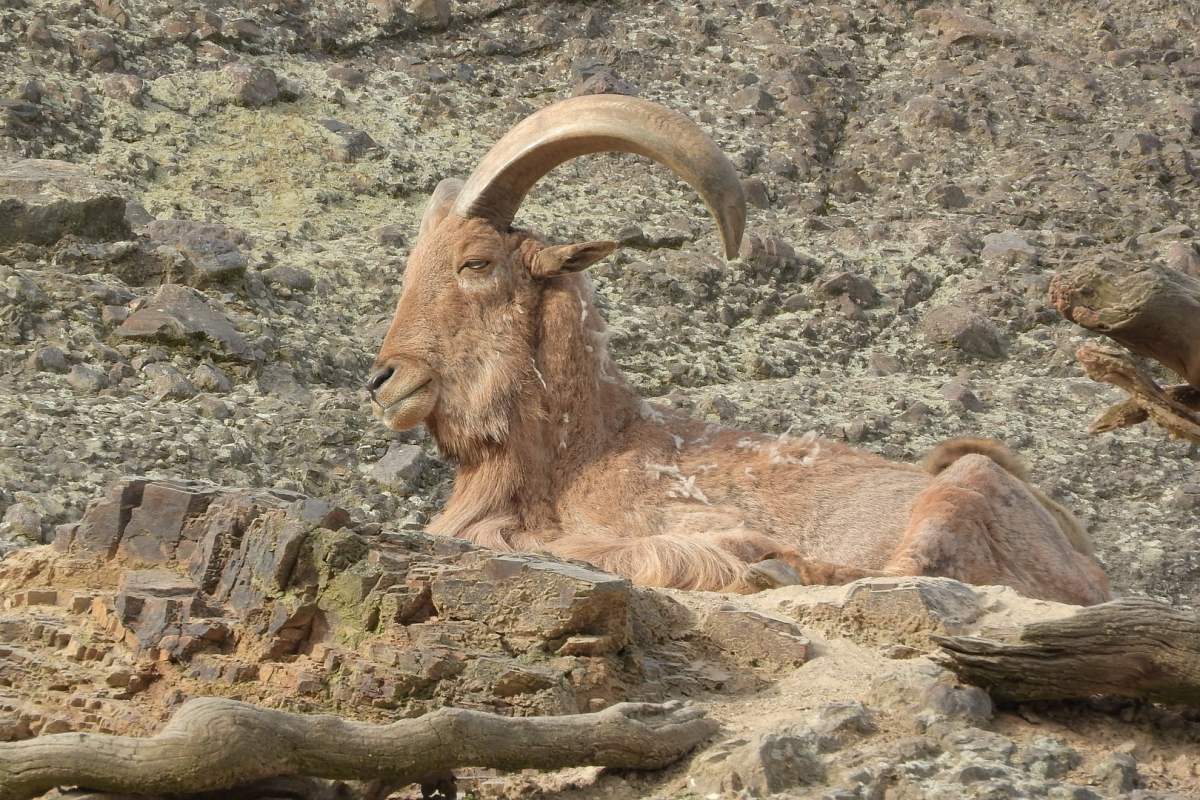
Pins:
x: 475, y: 264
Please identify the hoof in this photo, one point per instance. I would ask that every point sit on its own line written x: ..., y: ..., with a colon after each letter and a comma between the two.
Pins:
x: 773, y: 573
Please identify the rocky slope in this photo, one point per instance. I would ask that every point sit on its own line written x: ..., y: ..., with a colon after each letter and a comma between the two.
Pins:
x: 167, y: 590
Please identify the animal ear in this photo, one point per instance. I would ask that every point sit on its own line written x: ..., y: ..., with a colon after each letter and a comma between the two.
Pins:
x: 439, y: 204
x: 560, y: 259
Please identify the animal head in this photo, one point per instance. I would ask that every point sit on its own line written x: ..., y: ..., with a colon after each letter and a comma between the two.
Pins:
x: 466, y: 332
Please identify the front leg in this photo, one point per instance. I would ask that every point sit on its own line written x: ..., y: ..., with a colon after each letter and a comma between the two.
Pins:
x: 789, y: 568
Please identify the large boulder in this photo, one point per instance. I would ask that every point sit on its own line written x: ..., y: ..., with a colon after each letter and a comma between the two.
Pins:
x: 42, y: 200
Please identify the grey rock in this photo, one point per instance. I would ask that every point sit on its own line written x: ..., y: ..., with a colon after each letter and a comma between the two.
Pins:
x: 400, y: 466
x: 762, y: 639
x: 208, y: 378
x: 857, y: 287
x: 22, y: 520
x: 248, y: 85
x: 182, y: 316
x: 83, y: 378
x: 346, y: 143
x: 168, y: 383
x: 1048, y: 758
x: 759, y: 765
x: 965, y: 330
x: 1118, y: 773
x: 289, y: 277
x: 49, y: 359
x: 435, y: 13
x: 43, y: 200
x: 209, y: 252
x: 279, y: 380
x: 1009, y: 247
x: 948, y: 195
x: 960, y: 396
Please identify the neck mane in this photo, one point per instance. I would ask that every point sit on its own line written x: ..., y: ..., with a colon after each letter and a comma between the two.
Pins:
x: 572, y: 403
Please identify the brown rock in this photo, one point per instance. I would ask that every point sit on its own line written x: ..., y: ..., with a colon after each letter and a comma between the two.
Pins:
x: 967, y: 331
x: 757, y: 636
x: 42, y: 200
x: 180, y: 315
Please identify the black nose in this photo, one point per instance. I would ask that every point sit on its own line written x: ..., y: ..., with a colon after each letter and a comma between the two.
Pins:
x: 379, y: 378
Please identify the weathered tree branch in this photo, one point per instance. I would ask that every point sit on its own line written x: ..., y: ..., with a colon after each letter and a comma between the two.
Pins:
x: 1128, y: 412
x: 1177, y: 409
x: 213, y: 744
x: 1128, y: 648
x: 1154, y: 311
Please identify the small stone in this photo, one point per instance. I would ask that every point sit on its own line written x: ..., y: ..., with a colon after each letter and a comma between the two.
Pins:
x: 926, y: 111
x: 400, y: 466
x: 208, y: 378
x: 390, y: 235
x: 947, y: 195
x: 1048, y: 758
x: 289, y: 277
x: 97, y: 49
x: 434, y: 13
x: 762, y: 638
x: 961, y: 397
x: 347, y: 144
x: 604, y: 82
x: 1183, y: 256
x: 22, y: 520
x: 857, y: 287
x: 210, y: 252
x: 214, y: 408
x: 756, y: 192
x: 760, y: 765
x: 1008, y: 247
x: 114, y: 314
x: 168, y: 383
x: 49, y: 359
x: 883, y: 364
x: 753, y: 98
x: 347, y: 76
x: 127, y: 88
x: 1118, y: 773
x: 1185, y: 496
x: 249, y: 85
x: 83, y: 378
x: 916, y: 414
x: 967, y: 331
x: 848, y: 183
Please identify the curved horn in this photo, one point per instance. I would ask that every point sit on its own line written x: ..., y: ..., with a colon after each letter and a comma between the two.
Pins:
x: 601, y: 123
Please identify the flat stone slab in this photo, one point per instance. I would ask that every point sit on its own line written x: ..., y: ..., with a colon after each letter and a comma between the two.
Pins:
x: 43, y: 200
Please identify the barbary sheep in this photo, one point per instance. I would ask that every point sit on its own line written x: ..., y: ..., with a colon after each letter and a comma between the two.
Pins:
x: 498, y: 348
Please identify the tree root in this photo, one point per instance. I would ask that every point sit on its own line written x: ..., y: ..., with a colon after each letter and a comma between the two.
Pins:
x: 215, y: 745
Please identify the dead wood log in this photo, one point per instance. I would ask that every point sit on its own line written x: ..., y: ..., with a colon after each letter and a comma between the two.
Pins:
x: 1128, y: 412
x: 212, y: 744
x: 1128, y: 648
x: 1154, y: 311
x: 1177, y: 409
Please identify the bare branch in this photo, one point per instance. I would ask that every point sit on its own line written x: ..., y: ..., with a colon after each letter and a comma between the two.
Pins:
x: 213, y: 744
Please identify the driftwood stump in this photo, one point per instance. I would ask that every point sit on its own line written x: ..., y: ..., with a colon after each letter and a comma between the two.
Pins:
x: 1128, y: 648
x: 215, y: 745
x: 1176, y: 408
x: 1154, y: 311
